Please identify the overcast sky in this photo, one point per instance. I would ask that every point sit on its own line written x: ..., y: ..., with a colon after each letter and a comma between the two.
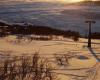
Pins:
x: 37, y: 0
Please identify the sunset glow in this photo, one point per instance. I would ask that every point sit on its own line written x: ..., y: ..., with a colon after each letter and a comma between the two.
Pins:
x: 58, y: 1
x: 72, y: 0
x: 63, y: 1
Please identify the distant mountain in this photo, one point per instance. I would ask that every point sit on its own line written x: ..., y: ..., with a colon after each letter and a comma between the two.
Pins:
x: 96, y: 3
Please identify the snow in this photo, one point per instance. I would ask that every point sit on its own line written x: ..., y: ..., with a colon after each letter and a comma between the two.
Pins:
x: 47, y: 49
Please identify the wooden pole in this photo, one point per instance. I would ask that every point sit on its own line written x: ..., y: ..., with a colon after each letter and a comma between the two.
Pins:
x: 89, y: 34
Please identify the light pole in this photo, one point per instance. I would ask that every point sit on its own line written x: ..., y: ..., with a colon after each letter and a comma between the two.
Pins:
x: 89, y: 34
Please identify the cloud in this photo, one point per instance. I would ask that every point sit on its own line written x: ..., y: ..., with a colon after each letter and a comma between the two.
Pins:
x: 28, y: 0
x: 11, y: 1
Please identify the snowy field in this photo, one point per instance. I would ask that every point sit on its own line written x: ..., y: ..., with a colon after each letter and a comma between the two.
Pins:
x: 83, y: 64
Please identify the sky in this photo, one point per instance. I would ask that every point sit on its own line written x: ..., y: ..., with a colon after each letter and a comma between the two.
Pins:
x: 24, y: 1
x: 41, y: 0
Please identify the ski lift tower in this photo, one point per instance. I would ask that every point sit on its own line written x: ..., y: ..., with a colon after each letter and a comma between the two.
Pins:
x: 90, y: 20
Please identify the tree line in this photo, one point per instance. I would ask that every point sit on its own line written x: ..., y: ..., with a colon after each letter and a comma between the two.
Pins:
x: 94, y: 35
x: 34, y: 29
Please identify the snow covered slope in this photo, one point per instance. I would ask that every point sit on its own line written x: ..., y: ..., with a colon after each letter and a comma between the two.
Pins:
x: 83, y: 63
